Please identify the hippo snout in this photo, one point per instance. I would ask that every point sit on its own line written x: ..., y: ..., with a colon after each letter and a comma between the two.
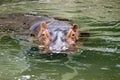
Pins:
x: 59, y: 48
x: 58, y: 43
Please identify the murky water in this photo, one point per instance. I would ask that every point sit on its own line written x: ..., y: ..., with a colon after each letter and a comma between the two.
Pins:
x: 97, y: 59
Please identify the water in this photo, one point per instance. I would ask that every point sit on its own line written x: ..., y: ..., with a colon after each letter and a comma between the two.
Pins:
x: 97, y: 59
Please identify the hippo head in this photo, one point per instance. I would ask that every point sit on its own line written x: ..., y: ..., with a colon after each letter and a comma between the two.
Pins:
x: 58, y: 40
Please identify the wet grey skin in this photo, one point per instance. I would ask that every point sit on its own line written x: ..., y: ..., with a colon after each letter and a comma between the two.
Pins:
x: 58, y: 31
x: 36, y: 23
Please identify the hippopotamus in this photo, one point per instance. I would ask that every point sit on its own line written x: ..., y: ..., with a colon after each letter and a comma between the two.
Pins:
x: 55, y: 35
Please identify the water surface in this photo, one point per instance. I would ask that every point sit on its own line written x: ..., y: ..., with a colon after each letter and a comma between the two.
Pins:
x: 97, y: 59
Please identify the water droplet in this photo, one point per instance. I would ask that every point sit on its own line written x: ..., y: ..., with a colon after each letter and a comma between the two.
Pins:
x: 104, y: 68
x: 26, y: 76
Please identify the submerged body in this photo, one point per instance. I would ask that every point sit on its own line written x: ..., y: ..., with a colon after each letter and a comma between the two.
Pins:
x: 56, y: 36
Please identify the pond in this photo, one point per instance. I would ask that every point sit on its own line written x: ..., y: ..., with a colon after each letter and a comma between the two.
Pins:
x: 97, y: 59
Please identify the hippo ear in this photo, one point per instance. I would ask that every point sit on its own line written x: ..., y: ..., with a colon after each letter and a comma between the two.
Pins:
x: 43, y: 25
x: 74, y: 27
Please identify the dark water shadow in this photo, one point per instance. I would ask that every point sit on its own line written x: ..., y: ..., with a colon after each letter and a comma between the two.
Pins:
x: 36, y: 53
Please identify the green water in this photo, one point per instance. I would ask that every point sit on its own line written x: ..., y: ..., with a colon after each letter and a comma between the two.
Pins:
x: 97, y: 59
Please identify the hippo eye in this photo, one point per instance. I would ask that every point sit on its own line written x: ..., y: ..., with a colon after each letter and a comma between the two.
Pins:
x: 65, y: 33
x: 51, y: 33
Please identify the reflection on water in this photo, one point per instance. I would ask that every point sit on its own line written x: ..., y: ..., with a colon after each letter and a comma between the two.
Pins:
x: 97, y: 59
